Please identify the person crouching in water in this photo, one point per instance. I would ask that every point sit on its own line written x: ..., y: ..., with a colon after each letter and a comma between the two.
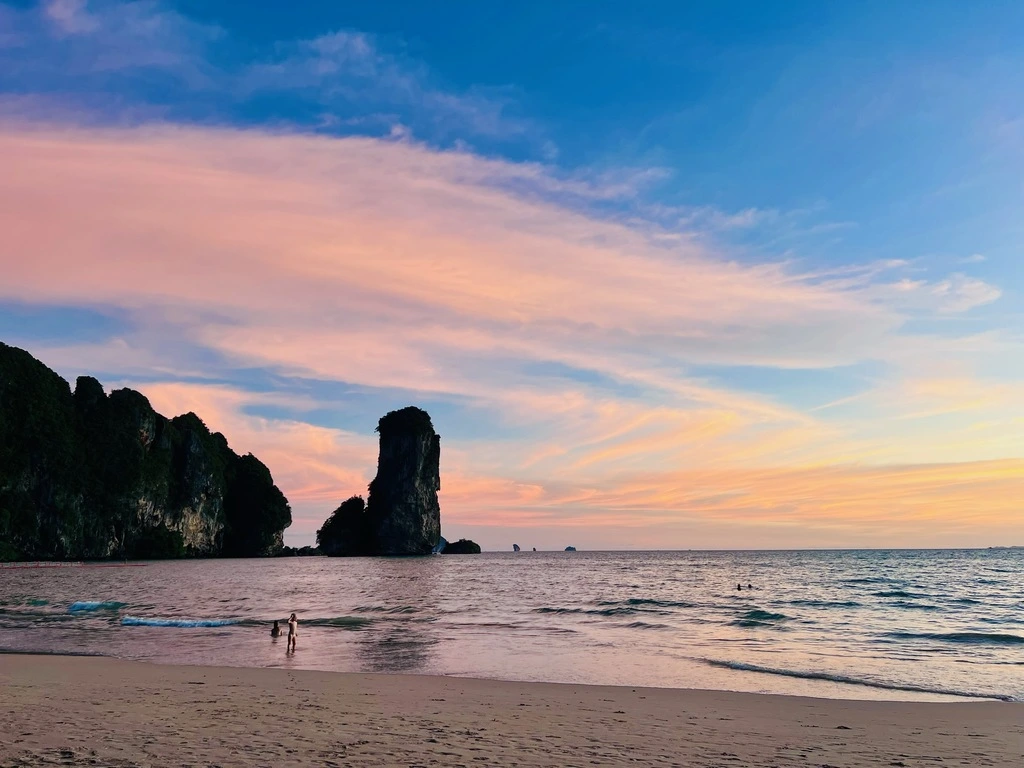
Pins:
x: 293, y: 632
x: 275, y: 631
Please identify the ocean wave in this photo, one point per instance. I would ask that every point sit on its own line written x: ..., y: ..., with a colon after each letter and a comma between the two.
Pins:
x: 137, y: 621
x: 871, y: 580
x: 848, y: 680
x: 754, y: 623
x: 31, y: 601
x: 759, y: 615
x: 758, y: 618
x: 503, y: 625
x: 46, y: 652
x: 974, y: 638
x: 897, y: 593
x: 915, y: 606
x: 341, y: 622
x: 637, y: 601
x: 617, y: 611
x: 646, y: 625
x: 84, y: 606
x: 386, y: 609
x: 826, y: 603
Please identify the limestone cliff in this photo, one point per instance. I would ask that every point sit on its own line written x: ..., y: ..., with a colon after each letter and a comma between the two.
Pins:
x: 87, y: 475
x: 347, y: 532
x: 402, y: 515
x: 402, y: 505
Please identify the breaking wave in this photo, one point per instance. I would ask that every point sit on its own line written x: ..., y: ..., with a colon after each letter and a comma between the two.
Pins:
x: 84, y: 606
x: 848, y: 680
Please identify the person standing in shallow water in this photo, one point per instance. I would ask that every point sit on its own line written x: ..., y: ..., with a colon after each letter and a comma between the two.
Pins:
x: 275, y: 631
x: 293, y: 632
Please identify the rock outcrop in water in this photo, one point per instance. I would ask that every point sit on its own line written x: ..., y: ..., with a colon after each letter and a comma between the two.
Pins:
x: 347, y: 532
x: 402, y: 503
x: 461, y: 547
x: 299, y: 552
x: 87, y: 476
x: 401, y: 515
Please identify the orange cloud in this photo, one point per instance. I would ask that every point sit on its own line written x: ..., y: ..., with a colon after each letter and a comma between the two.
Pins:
x: 386, y: 264
x: 961, y: 504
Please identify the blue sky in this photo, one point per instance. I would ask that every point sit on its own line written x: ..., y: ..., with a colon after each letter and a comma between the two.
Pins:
x: 793, y: 229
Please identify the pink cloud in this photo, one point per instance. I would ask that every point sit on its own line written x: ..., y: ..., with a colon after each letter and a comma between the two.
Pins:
x: 820, y: 505
x: 390, y: 265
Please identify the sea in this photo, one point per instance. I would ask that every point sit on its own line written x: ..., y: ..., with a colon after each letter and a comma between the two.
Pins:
x: 906, y: 625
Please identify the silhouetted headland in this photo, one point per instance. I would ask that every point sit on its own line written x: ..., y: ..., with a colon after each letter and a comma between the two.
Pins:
x: 87, y: 475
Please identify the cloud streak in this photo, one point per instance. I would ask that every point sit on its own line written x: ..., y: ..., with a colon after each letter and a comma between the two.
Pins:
x: 109, y: 55
x: 346, y: 68
x: 502, y: 289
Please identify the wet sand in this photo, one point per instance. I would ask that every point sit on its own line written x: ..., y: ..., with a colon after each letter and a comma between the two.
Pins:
x: 58, y: 710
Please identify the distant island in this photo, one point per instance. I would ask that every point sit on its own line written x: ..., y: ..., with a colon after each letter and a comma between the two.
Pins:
x: 401, y: 515
x: 86, y: 475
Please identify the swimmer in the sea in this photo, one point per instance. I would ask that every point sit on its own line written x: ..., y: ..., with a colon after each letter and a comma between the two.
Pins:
x: 275, y: 631
x: 293, y: 632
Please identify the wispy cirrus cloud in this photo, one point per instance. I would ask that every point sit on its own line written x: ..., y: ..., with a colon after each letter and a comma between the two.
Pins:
x: 109, y: 54
x: 960, y: 293
x: 69, y: 43
x: 974, y: 258
x: 568, y: 334
x: 592, y: 355
x: 70, y: 17
x: 951, y: 295
x: 347, y: 68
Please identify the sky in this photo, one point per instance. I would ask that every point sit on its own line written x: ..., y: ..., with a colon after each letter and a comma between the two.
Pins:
x: 665, y: 275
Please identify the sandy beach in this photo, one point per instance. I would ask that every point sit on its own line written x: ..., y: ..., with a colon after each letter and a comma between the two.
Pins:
x: 97, y: 711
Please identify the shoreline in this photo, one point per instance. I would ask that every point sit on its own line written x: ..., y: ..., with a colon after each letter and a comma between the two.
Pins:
x: 82, y: 709
x: 936, y: 696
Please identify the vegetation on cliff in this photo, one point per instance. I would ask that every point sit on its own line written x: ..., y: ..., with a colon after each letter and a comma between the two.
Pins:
x: 87, y: 475
x: 347, y: 531
x: 410, y: 420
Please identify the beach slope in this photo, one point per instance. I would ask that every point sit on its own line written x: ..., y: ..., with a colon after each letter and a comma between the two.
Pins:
x: 96, y: 711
